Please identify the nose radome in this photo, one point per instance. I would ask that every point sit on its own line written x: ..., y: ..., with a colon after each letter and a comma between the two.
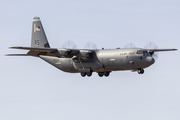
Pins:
x: 150, y: 59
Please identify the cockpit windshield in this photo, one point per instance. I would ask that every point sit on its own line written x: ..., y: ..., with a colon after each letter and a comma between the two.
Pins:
x: 142, y: 52
x: 139, y: 52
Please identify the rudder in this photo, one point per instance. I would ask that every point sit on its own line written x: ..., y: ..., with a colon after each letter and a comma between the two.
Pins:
x: 39, y: 38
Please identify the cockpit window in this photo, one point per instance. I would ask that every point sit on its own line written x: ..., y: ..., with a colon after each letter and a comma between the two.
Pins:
x: 141, y: 52
x: 145, y: 52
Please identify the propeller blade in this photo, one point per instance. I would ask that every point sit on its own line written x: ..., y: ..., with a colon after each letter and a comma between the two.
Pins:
x: 155, y: 56
x: 152, y: 45
x: 90, y: 45
x: 130, y: 45
x: 69, y: 45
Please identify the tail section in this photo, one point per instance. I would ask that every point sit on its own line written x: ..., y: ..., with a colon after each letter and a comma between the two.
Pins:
x: 39, y: 38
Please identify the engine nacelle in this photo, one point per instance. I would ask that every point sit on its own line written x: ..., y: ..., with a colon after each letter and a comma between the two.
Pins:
x: 84, y: 54
x: 62, y: 52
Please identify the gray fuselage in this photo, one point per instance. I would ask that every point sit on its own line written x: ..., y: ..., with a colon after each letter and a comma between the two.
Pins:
x: 104, y: 60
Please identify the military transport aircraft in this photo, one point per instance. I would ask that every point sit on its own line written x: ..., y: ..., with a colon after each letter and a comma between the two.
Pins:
x: 87, y: 61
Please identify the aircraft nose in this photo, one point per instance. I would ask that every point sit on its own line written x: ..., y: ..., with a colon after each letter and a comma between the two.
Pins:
x: 150, y: 60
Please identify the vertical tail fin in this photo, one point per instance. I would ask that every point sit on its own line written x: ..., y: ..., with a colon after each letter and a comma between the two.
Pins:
x: 39, y: 38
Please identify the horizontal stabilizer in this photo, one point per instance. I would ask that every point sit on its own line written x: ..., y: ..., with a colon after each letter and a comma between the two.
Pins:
x: 65, y: 53
x: 17, y: 55
x: 36, y: 49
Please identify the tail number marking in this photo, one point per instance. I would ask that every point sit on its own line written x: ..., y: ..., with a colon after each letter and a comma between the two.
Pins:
x: 37, y: 42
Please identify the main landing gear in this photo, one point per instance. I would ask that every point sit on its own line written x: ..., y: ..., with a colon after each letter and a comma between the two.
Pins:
x: 103, y: 73
x: 83, y: 74
x: 140, y: 71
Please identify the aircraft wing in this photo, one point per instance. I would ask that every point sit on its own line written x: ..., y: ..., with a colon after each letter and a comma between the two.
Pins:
x: 64, y: 53
x: 160, y: 50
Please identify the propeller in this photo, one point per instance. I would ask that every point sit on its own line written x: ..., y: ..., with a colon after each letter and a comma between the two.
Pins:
x: 130, y: 45
x: 152, y: 45
x: 90, y: 45
x: 69, y: 45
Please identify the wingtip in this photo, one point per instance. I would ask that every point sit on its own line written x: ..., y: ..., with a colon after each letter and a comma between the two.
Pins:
x: 9, y: 55
x: 17, y: 55
x: 13, y: 47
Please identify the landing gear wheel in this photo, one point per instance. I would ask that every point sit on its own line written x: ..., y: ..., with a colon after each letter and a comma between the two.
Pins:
x: 106, y: 74
x: 83, y: 74
x: 100, y: 74
x: 140, y: 71
x: 89, y: 74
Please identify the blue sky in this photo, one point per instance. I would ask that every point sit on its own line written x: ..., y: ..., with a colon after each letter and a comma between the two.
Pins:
x: 32, y: 89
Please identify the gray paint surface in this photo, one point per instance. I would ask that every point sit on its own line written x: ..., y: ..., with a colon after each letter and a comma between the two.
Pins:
x: 38, y: 38
x: 35, y: 90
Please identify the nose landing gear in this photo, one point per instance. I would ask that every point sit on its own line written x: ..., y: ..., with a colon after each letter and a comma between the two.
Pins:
x: 140, y: 71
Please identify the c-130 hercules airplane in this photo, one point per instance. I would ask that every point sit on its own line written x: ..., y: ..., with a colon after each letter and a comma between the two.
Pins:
x: 87, y: 61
